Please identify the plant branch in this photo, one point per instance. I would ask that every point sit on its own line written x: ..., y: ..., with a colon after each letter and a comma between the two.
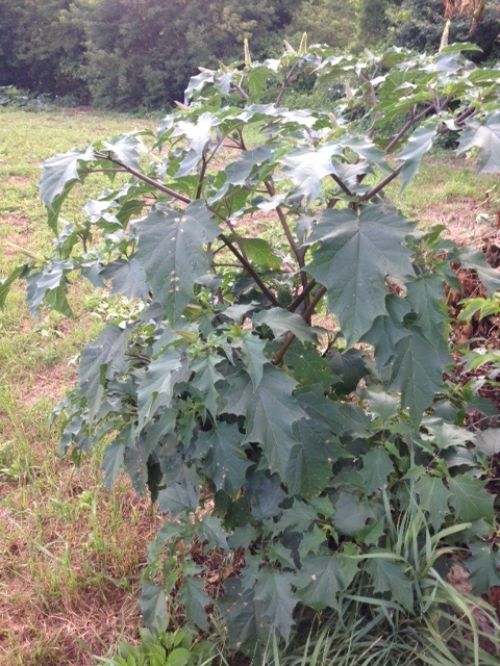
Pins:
x: 342, y: 185
x: 284, y: 85
x: 383, y: 183
x: 244, y: 95
x: 146, y: 179
x: 299, y: 255
x: 306, y: 315
x: 180, y: 197
x: 249, y: 269
x: 242, y: 140
x: 203, y: 171
x: 108, y: 171
x: 407, y: 126
x: 302, y: 296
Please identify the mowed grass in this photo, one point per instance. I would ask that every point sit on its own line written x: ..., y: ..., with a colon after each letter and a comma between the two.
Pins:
x: 70, y: 553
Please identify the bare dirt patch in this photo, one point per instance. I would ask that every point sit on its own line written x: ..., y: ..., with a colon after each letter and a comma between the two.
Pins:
x: 18, y: 236
x: 53, y: 382
x: 466, y: 222
x: 18, y: 181
x: 20, y: 223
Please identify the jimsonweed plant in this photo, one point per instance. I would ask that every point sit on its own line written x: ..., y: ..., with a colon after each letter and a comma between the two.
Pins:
x: 275, y: 377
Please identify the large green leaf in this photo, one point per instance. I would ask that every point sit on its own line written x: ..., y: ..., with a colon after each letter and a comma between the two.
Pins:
x: 157, y: 386
x: 226, y: 463
x: 444, y: 434
x: 486, y: 138
x: 198, y: 137
x: 171, y: 251
x: 280, y: 321
x: 125, y: 149
x: 340, y: 418
x: 59, y: 174
x: 239, y: 171
x: 488, y: 441
x: 48, y: 286
x: 351, y: 513
x: 470, y: 498
x: 310, y: 466
x: 307, y: 169
x: 182, y: 494
x: 153, y: 604
x: 476, y: 260
x: 484, y: 567
x: 355, y: 254
x: 419, y: 143
x: 309, y: 366
x: 417, y: 373
x: 6, y: 284
x: 387, y: 331
x: 127, y: 278
x: 238, y: 610
x: 205, y: 379
x: 433, y: 497
x: 426, y: 298
x: 195, y: 600
x: 99, y: 360
x: 252, y: 348
x: 376, y: 468
x: 272, y: 413
x: 275, y: 602
x: 322, y: 578
x: 350, y: 367
x: 260, y: 253
x: 390, y: 577
x: 113, y: 462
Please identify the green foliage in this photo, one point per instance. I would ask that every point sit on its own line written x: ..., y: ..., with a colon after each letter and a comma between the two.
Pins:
x: 329, y: 22
x: 143, y: 53
x: 419, y: 25
x: 373, y: 21
x: 42, y: 47
x: 351, y: 482
x: 178, y: 648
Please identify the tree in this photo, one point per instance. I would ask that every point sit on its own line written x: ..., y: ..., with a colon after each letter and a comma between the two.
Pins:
x: 143, y: 52
x: 373, y: 22
x: 331, y: 22
x: 42, y: 47
x: 420, y: 25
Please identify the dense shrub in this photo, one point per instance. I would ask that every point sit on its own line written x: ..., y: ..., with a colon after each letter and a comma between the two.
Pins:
x: 276, y: 374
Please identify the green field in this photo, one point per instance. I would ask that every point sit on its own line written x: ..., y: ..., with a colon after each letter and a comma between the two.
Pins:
x: 70, y: 553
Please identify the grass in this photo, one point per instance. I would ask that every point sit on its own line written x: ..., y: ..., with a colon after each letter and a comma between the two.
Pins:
x: 68, y: 566
x: 70, y: 553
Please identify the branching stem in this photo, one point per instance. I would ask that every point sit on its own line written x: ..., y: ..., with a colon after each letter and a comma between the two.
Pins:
x: 306, y: 315
x: 249, y: 268
x: 146, y: 179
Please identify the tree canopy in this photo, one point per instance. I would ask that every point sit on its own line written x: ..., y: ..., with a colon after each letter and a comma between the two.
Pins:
x: 130, y: 54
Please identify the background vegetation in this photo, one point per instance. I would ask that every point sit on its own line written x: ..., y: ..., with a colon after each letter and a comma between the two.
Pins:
x: 127, y: 54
